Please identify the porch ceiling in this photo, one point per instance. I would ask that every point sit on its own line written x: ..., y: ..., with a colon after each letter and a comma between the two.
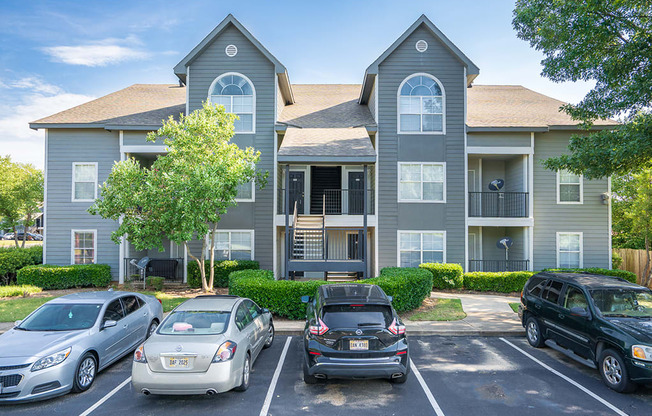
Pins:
x: 335, y: 145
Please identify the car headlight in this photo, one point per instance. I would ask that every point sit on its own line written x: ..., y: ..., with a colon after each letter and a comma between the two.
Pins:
x: 52, y: 360
x: 642, y: 352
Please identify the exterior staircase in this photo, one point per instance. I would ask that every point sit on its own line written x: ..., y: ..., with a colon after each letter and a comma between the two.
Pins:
x: 308, y: 243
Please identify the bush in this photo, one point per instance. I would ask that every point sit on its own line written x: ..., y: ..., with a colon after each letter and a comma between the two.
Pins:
x: 408, y: 286
x: 23, y: 290
x: 445, y: 275
x: 155, y: 282
x: 616, y: 260
x: 504, y: 282
x: 222, y: 271
x: 63, y: 277
x: 13, y: 259
x: 629, y: 276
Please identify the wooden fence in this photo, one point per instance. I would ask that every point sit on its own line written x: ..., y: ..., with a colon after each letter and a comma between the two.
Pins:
x: 633, y: 261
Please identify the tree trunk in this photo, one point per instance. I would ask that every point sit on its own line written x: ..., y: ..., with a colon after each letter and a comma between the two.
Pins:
x: 25, y: 222
x: 212, y: 272
x: 15, y: 236
x: 200, y: 263
x: 646, y: 275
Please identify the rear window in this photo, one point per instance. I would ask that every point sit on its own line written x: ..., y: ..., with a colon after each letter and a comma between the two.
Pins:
x: 535, y: 286
x: 354, y: 316
x: 195, y: 322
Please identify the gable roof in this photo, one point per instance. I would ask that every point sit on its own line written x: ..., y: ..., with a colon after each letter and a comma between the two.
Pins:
x: 472, y: 71
x: 281, y: 71
x: 333, y: 145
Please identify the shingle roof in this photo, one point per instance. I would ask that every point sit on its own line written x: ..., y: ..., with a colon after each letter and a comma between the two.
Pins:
x: 515, y: 106
x: 326, y: 106
x: 336, y: 144
x: 137, y: 105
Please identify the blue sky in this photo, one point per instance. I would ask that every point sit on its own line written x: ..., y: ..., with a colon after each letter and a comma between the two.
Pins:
x: 54, y: 55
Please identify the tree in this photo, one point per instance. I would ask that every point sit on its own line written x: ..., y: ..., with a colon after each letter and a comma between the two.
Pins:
x: 623, y: 193
x: 21, y: 195
x: 641, y: 216
x: 608, y: 42
x: 184, y: 194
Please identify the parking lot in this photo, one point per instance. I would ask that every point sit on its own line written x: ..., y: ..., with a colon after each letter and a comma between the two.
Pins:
x: 451, y: 376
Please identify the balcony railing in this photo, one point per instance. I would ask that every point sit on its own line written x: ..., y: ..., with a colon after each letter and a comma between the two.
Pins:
x: 338, y: 201
x: 498, y: 204
x: 498, y: 265
x: 336, y: 244
x: 169, y: 268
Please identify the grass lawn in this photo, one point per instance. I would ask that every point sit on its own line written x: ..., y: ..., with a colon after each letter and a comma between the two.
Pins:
x: 514, y: 307
x: 169, y: 301
x: 17, y: 290
x: 14, y: 309
x: 434, y: 309
x: 11, y: 243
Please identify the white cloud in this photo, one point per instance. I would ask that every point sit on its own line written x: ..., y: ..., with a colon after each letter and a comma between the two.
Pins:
x: 100, y: 53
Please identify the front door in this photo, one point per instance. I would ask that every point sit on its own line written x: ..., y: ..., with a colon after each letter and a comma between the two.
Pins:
x: 352, y: 246
x: 356, y: 193
x: 297, y: 188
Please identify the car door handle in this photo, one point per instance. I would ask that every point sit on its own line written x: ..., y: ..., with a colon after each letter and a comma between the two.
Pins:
x: 561, y: 316
x: 537, y: 306
x: 125, y: 326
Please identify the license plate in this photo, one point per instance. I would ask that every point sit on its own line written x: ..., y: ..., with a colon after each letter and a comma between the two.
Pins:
x: 178, y: 362
x: 359, y: 345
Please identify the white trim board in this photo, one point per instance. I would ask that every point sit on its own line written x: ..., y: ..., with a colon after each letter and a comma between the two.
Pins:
x: 495, y: 150
x: 72, y: 178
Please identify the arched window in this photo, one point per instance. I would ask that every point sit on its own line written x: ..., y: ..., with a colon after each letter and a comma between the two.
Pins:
x: 421, y: 105
x: 236, y: 93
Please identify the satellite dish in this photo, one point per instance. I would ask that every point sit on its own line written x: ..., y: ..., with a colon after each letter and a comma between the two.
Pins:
x: 496, y: 184
x: 504, y: 243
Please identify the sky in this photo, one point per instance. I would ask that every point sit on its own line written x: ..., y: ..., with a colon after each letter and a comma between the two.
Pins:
x: 55, y: 55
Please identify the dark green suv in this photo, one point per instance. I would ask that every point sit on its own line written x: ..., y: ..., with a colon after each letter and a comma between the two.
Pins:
x: 602, y: 321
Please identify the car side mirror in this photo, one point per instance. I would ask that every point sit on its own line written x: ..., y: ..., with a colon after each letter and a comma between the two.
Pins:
x: 109, y: 324
x: 306, y: 299
x: 265, y: 310
x: 579, y: 311
x: 16, y: 323
x: 391, y: 298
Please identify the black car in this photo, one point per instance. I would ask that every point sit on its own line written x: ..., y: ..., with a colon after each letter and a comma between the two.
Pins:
x: 352, y: 331
x: 604, y: 322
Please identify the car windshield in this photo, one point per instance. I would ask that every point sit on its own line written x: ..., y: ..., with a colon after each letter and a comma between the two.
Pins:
x: 195, y: 322
x: 62, y: 317
x: 353, y: 316
x: 614, y: 302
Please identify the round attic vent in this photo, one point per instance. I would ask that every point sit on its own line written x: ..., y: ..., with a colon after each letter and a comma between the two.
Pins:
x: 421, y: 45
x: 231, y: 51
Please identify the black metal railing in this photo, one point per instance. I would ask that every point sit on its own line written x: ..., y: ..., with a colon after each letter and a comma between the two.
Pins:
x: 498, y: 204
x: 326, y: 244
x: 498, y: 265
x: 338, y: 202
x: 169, y: 268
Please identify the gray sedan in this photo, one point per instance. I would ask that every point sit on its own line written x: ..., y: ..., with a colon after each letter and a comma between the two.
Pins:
x: 206, y: 345
x: 63, y: 344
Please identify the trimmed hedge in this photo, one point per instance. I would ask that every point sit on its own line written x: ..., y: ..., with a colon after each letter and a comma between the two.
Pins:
x: 504, y: 282
x: 155, y: 282
x: 629, y: 276
x: 13, y: 259
x: 48, y: 276
x: 408, y: 286
x: 222, y: 271
x: 445, y: 275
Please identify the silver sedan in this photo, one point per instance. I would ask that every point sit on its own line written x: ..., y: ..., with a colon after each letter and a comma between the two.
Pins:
x: 206, y: 345
x: 63, y: 344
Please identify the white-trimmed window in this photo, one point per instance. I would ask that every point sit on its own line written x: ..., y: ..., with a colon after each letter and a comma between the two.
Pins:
x: 83, y: 246
x: 570, y: 188
x: 421, y: 182
x: 246, y: 192
x: 570, y: 250
x: 421, y: 105
x: 416, y: 247
x: 84, y: 181
x: 234, y: 245
x: 237, y: 94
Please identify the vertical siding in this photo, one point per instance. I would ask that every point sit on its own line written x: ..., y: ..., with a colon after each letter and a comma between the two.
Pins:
x: 66, y: 146
x: 449, y: 148
x: 254, y: 65
x: 591, y: 217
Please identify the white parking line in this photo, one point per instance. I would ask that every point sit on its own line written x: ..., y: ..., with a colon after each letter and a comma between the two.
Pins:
x: 277, y: 373
x: 426, y: 390
x: 105, y: 398
x: 571, y: 381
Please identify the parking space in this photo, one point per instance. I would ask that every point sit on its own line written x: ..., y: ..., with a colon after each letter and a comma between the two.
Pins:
x: 460, y: 376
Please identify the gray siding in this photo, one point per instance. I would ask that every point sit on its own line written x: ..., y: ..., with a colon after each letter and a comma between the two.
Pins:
x: 514, y: 177
x: 372, y: 102
x: 137, y: 138
x: 63, y: 215
x: 590, y: 218
x: 449, y: 148
x: 499, y: 139
x: 254, y: 65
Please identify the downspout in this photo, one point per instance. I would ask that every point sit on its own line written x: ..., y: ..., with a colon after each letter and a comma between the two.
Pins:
x: 365, y: 202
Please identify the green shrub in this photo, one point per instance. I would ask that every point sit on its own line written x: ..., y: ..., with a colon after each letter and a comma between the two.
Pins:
x: 10, y: 291
x: 62, y: 277
x: 155, y: 282
x: 13, y: 259
x: 222, y: 271
x: 616, y: 260
x: 408, y: 286
x: 445, y: 275
x: 504, y: 282
x: 629, y: 276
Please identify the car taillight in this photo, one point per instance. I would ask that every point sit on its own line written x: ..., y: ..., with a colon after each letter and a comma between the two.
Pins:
x: 396, y: 329
x: 319, y: 329
x: 159, y: 301
x: 225, y: 352
x: 139, y: 354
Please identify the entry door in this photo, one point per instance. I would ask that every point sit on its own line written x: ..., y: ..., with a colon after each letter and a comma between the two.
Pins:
x: 297, y: 187
x: 356, y: 193
x: 352, y: 246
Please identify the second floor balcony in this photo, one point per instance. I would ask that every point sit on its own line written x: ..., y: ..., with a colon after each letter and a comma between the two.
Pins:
x: 499, y: 204
x: 328, y: 202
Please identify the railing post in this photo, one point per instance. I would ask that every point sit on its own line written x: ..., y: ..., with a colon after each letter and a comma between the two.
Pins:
x: 365, y: 203
x: 287, y: 221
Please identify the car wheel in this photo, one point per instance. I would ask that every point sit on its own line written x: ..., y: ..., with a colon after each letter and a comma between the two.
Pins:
x: 614, y: 373
x: 307, y: 378
x: 152, y: 328
x: 246, y: 369
x: 270, y: 337
x: 533, y: 333
x: 85, y: 374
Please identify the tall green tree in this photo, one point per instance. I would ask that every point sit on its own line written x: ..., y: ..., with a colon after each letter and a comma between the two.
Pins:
x: 21, y: 195
x: 624, y: 192
x: 641, y: 216
x: 185, y: 192
x: 606, y: 42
